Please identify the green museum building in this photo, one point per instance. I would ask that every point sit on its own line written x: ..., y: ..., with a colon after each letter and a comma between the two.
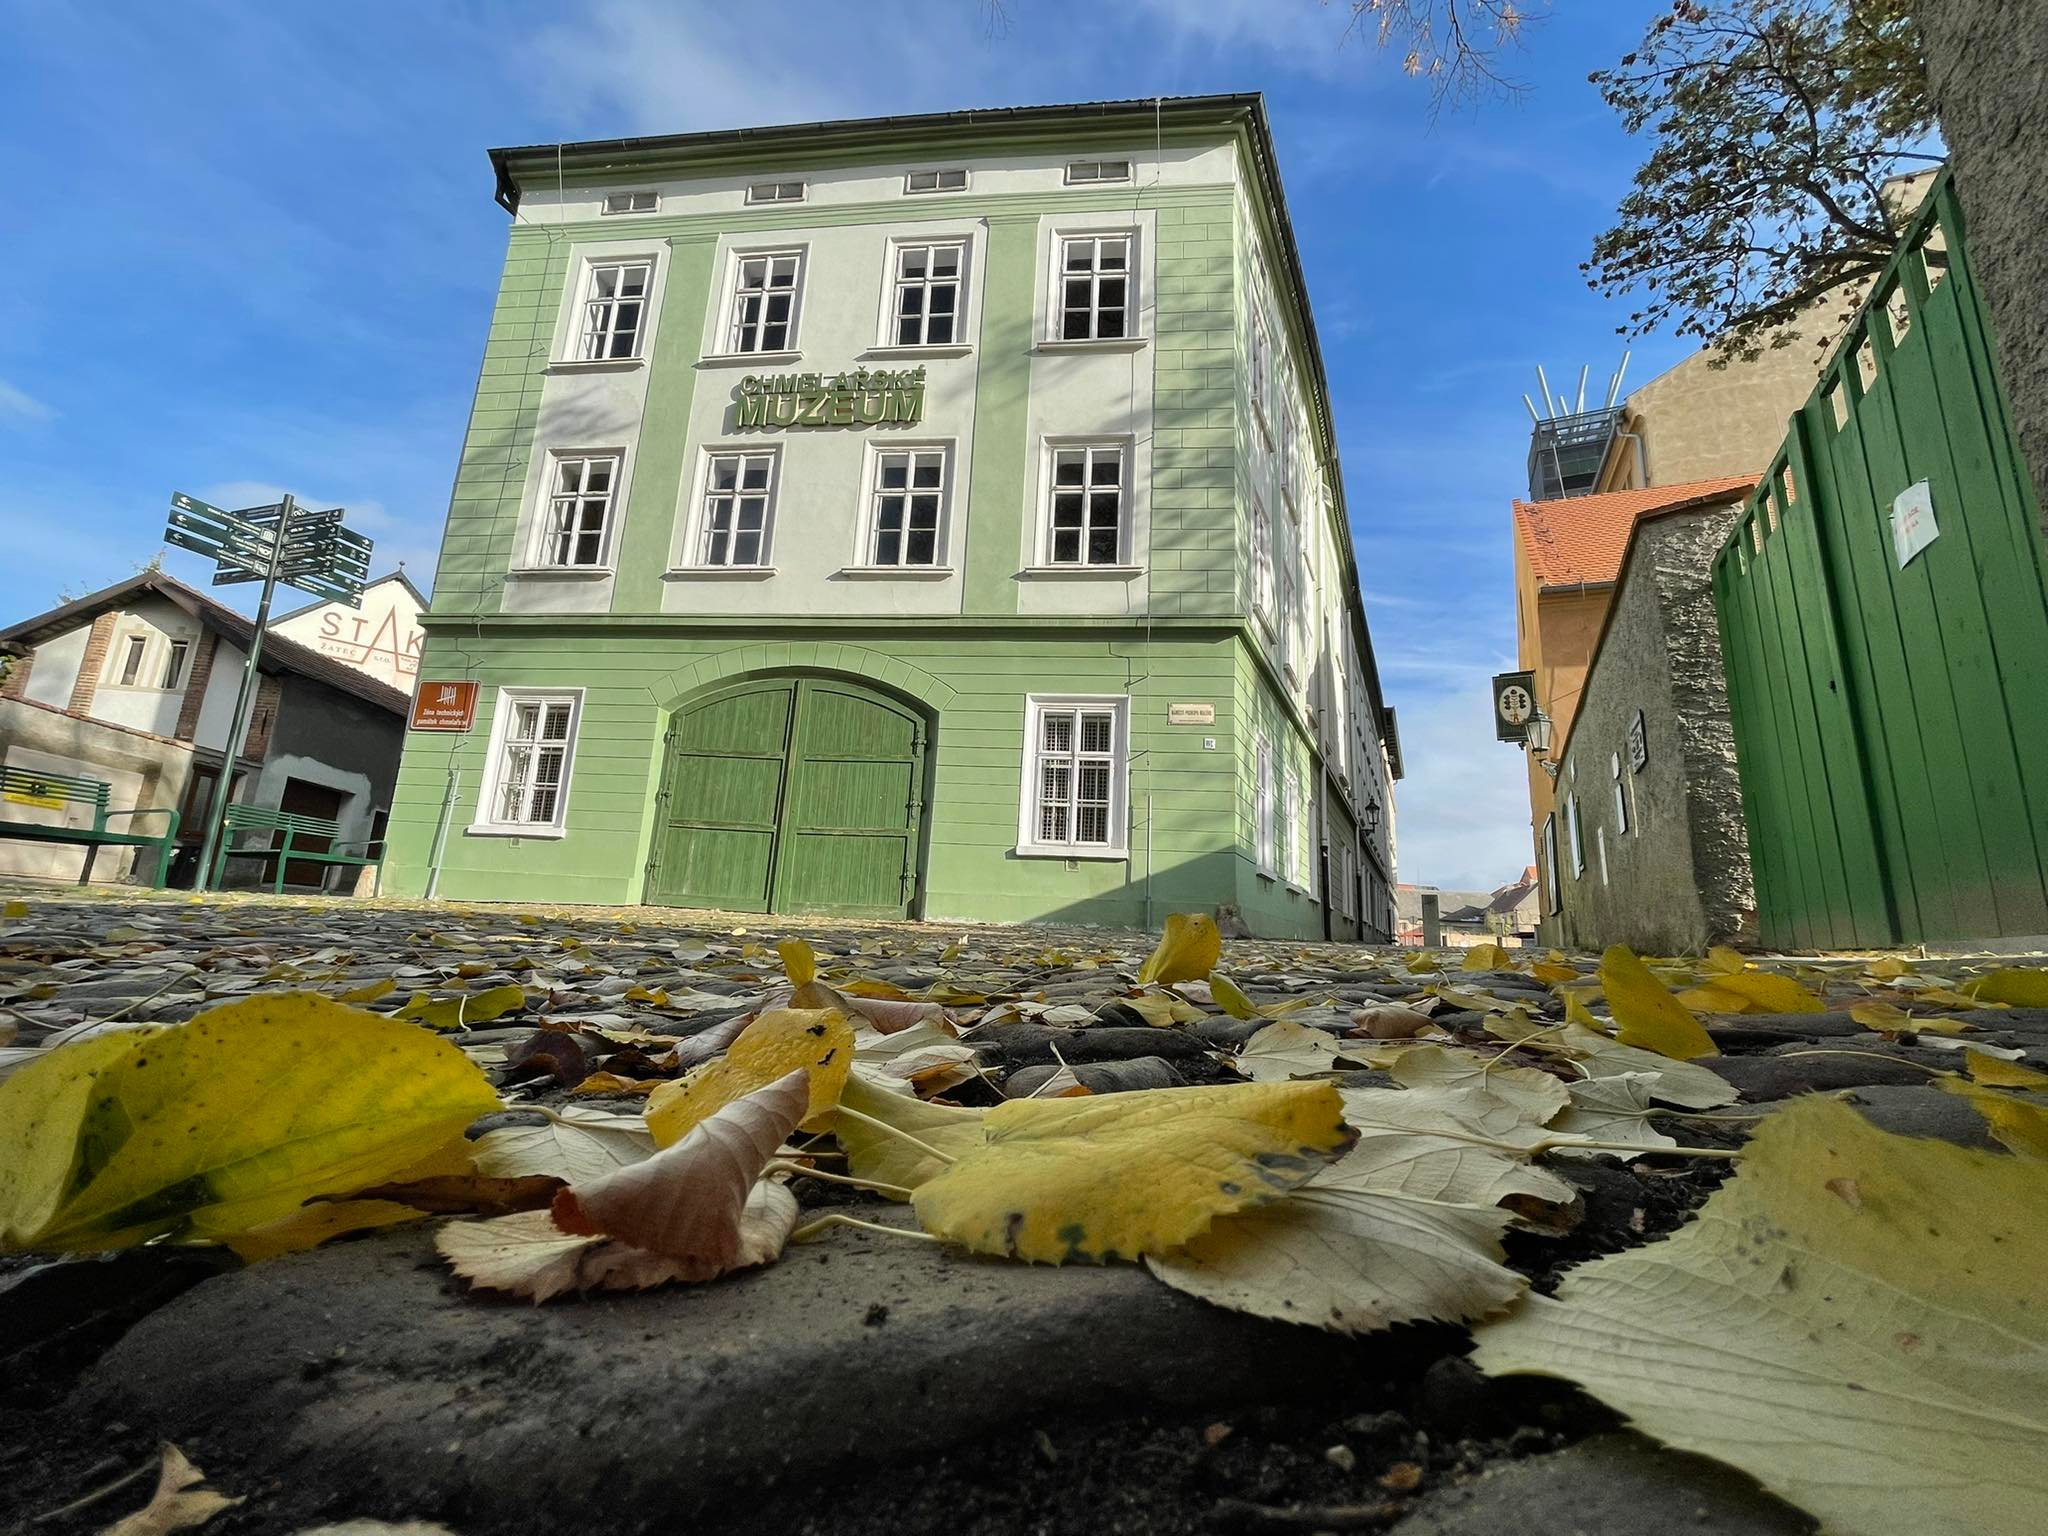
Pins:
x: 928, y: 516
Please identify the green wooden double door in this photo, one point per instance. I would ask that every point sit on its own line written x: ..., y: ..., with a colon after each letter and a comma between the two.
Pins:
x: 791, y: 794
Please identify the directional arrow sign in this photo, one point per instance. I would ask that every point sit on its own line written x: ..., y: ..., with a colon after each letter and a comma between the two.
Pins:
x: 193, y: 504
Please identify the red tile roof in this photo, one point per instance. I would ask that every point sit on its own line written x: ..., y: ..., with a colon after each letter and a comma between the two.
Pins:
x: 1581, y: 539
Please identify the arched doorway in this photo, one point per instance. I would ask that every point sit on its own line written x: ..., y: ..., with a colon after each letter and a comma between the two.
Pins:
x: 791, y: 794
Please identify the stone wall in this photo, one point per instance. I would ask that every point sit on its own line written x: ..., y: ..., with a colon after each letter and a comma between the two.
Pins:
x: 1987, y: 66
x: 141, y: 770
x: 1677, y: 879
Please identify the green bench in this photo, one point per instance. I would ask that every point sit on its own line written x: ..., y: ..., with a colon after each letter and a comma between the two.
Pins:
x: 294, y: 826
x: 54, y: 791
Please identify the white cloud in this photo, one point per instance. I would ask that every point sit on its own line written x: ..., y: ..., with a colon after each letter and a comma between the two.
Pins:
x: 1313, y: 38
x: 20, y: 405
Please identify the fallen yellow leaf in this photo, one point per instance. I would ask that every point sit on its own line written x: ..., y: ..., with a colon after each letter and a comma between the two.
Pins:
x: 1996, y: 1072
x: 1770, y: 992
x: 1230, y: 998
x: 1125, y: 1174
x: 929, y: 1134
x: 2016, y: 1124
x: 369, y: 992
x: 1488, y: 957
x: 1187, y: 951
x: 1550, y: 973
x: 1721, y: 960
x: 1648, y: 1015
x: 223, y: 1123
x: 463, y: 1009
x: 1708, y: 998
x: 780, y: 1041
x: 799, y: 960
x: 2019, y: 985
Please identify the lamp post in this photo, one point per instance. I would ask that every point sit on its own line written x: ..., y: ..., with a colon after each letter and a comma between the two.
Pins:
x: 1536, y: 735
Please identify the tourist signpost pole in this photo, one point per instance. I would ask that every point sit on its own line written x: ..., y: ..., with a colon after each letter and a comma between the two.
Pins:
x: 282, y: 543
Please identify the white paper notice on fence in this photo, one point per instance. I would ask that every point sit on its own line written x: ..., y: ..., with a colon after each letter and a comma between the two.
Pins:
x: 1913, y: 522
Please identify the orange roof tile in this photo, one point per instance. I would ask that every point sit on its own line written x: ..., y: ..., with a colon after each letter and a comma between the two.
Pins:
x: 1581, y: 539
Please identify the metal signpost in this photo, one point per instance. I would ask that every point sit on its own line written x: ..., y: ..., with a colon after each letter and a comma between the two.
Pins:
x: 284, y: 543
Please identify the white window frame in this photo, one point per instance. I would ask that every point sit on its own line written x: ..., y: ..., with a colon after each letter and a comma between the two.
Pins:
x: 777, y: 193
x: 1294, y: 813
x: 1055, y: 313
x: 1264, y: 793
x: 1600, y: 842
x: 581, y: 330
x: 1099, y: 172
x: 697, y: 528
x: 631, y: 201
x: 870, y: 507
x: 1575, y: 834
x: 729, y: 328
x: 487, y: 823
x: 1623, y: 822
x: 177, y: 659
x: 1262, y: 372
x: 1262, y: 560
x: 1036, y: 707
x: 1552, y: 891
x: 1290, y: 454
x: 893, y: 284
x: 544, y: 534
x: 938, y: 187
x: 128, y: 662
x: 1126, y: 450
x: 1287, y: 603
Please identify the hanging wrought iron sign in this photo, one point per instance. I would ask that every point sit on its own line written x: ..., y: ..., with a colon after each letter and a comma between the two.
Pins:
x: 863, y: 398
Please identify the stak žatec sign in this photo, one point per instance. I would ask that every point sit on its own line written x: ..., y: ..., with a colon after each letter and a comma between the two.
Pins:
x: 864, y: 398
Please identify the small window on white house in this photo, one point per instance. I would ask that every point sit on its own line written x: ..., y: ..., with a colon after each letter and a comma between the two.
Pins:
x: 738, y: 491
x: 1262, y: 560
x: 1086, y: 513
x: 576, y: 528
x: 632, y: 202
x: 1620, y: 795
x: 1576, y: 831
x: 174, y: 664
x: 1267, y: 811
x: 1550, y: 888
x: 764, y: 301
x: 1600, y: 842
x: 1074, y: 775
x: 614, y: 310
x: 926, y: 308
x: 1086, y: 173
x: 951, y: 180
x: 530, y: 769
x: 1095, y: 288
x: 908, y: 507
x: 776, y: 192
x: 131, y: 660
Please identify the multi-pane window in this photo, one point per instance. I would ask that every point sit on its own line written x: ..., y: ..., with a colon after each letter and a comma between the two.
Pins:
x: 927, y: 306
x: 131, y: 661
x: 533, y: 759
x: 764, y: 302
x: 174, y: 664
x: 1576, y: 832
x: 1082, y: 173
x: 579, y: 509
x: 776, y: 192
x: 909, y: 496
x: 1087, y: 506
x: 1290, y: 453
x: 1289, y: 606
x: 954, y: 180
x: 615, y: 311
x: 1095, y: 287
x: 1267, y: 811
x: 1074, y: 770
x: 632, y: 202
x: 1262, y: 559
x: 1550, y: 888
x: 1291, y: 840
x: 1262, y: 368
x: 1620, y: 794
x: 737, y: 488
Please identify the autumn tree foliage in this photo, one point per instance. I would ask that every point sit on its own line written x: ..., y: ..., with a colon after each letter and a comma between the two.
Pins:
x: 1774, y: 125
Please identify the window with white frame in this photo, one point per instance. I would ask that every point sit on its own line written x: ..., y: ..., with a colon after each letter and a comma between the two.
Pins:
x: 1293, y: 853
x: 614, y: 310
x: 950, y: 180
x: 1262, y: 367
x: 1341, y: 897
x: 1620, y: 794
x: 1262, y: 559
x: 1575, y: 833
x: 775, y: 192
x: 1094, y: 287
x: 907, y: 506
x: 131, y: 660
x: 1289, y: 604
x: 632, y: 202
x: 529, y: 771
x: 174, y: 664
x: 1550, y: 888
x: 1085, y: 514
x: 764, y: 300
x: 1086, y: 173
x: 575, y: 527
x: 1265, y: 791
x: 739, y: 490
x: 1290, y: 456
x: 1074, y: 775
x: 1600, y: 842
x: 925, y: 310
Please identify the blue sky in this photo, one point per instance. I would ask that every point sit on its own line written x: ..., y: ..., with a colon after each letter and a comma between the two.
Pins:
x: 253, y: 246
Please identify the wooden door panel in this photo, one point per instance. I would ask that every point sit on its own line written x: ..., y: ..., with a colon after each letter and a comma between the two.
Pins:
x: 721, y: 811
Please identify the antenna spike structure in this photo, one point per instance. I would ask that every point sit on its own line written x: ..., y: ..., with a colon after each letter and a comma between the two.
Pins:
x: 1562, y: 408
x: 1534, y: 414
x: 1545, y: 382
x: 1583, y: 371
x: 1614, y: 389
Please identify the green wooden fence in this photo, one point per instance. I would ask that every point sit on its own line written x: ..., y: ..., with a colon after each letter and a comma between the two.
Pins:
x: 1891, y: 721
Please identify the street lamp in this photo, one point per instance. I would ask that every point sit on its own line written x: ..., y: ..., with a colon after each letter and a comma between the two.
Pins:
x: 1372, y: 816
x: 1536, y: 736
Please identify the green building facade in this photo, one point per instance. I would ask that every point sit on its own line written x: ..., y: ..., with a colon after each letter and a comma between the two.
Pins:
x: 932, y: 516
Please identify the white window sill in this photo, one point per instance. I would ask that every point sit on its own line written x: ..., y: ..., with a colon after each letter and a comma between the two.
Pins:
x: 1265, y: 874
x: 1081, y: 572
x: 1265, y: 623
x: 560, y: 572
x: 596, y: 364
x: 1091, y: 851
x: 895, y: 572
x: 738, y: 359
x: 503, y: 829
x: 718, y: 573
x: 1095, y: 344
x: 922, y: 349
